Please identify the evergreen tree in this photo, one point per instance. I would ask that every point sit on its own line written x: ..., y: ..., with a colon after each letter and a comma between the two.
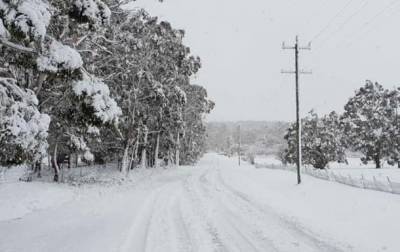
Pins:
x: 368, y: 119
x: 322, y: 141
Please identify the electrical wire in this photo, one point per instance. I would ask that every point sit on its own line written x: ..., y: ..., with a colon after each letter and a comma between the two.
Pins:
x: 358, y: 34
x: 348, y: 20
x: 326, y: 27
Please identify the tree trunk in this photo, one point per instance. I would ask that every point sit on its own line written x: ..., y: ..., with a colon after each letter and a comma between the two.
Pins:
x: 377, y: 160
x: 144, y: 154
x: 38, y: 168
x: 136, y: 151
x: 125, y: 157
x: 177, y: 153
x: 157, y: 150
x: 131, y: 159
x: 55, y: 164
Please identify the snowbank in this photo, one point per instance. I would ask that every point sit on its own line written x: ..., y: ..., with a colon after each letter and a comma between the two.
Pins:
x: 18, y: 198
x: 362, y: 220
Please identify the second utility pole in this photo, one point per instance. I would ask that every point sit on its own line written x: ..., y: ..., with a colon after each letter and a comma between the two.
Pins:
x: 297, y: 72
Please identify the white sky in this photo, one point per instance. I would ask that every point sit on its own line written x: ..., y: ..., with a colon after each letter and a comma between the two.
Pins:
x: 240, y: 46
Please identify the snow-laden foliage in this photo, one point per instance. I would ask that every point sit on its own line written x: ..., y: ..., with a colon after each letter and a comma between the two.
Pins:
x: 322, y: 141
x: 27, y: 19
x: 97, y: 96
x: 197, y: 104
x: 116, y: 80
x: 59, y: 57
x: 368, y: 120
x: 180, y: 94
x: 23, y: 128
x: 3, y: 31
x: 79, y: 145
x: 93, y: 130
x: 94, y: 11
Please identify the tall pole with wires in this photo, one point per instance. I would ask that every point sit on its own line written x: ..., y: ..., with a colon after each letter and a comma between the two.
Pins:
x: 297, y: 72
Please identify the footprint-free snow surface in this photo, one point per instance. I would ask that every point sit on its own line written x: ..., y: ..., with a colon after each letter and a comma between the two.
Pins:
x: 215, y: 206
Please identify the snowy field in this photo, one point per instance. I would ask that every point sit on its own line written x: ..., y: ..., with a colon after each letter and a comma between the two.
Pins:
x: 215, y: 206
x: 355, y: 168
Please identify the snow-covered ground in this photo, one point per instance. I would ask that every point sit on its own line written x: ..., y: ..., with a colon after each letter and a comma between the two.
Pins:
x: 215, y: 206
x: 354, y: 168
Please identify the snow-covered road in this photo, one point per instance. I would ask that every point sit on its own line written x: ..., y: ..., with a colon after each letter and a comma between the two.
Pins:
x: 215, y: 206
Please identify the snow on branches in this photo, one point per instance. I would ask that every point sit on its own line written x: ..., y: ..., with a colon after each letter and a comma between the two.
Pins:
x: 28, y: 18
x: 23, y: 128
x: 97, y: 96
x: 79, y: 144
x: 180, y: 94
x: 59, y: 57
x: 93, y: 11
x: 3, y: 31
x: 371, y: 121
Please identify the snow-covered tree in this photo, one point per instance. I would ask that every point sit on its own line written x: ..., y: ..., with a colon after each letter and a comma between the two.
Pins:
x: 23, y: 129
x: 102, y: 75
x: 368, y: 120
x: 393, y: 99
x: 322, y: 141
x: 41, y: 43
x: 147, y: 67
x: 194, y: 138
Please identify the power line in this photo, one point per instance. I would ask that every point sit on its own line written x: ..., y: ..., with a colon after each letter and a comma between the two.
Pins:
x: 350, y: 18
x: 326, y: 27
x: 359, y: 33
x: 311, y: 16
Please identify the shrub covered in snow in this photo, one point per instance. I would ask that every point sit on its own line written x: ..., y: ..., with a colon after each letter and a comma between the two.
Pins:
x: 23, y: 129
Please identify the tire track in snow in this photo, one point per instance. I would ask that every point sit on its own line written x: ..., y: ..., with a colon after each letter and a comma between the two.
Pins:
x: 139, y: 236
x: 199, y: 207
x: 184, y: 237
x: 244, y: 234
x: 235, y: 234
x: 264, y: 213
x: 136, y: 237
x: 159, y: 225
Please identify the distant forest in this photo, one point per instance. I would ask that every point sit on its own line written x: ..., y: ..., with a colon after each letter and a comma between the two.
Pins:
x: 257, y: 137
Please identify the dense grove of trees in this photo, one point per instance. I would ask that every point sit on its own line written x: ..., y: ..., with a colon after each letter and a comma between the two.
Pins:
x: 369, y: 125
x: 88, y: 79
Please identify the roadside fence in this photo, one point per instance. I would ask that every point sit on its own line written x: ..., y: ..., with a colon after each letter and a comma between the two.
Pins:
x: 377, y: 184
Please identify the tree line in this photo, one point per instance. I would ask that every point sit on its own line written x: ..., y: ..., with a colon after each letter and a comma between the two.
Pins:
x: 91, y: 80
x: 369, y: 125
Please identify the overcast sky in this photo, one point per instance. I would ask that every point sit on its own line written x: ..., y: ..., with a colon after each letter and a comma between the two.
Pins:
x: 240, y: 42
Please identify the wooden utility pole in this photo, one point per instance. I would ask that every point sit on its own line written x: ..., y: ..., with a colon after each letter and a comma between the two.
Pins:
x: 297, y: 72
